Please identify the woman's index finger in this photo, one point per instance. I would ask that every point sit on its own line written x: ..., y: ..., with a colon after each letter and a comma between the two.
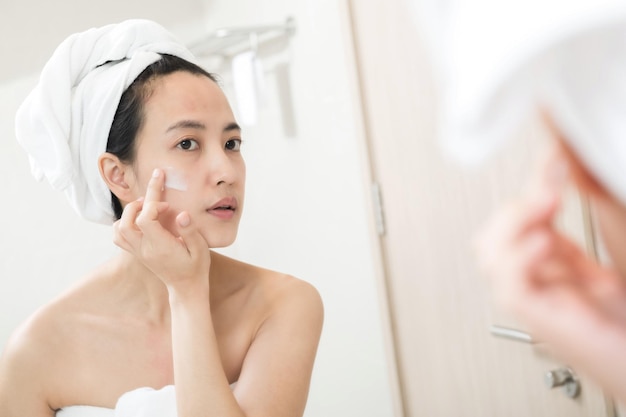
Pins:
x: 155, y: 186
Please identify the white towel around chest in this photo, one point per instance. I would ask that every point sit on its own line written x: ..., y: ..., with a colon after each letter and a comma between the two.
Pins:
x: 142, y: 402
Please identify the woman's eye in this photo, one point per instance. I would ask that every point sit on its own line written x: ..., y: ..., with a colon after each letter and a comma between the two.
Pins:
x: 233, y: 144
x: 188, y: 144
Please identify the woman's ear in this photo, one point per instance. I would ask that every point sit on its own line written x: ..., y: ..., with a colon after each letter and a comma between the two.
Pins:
x: 117, y: 175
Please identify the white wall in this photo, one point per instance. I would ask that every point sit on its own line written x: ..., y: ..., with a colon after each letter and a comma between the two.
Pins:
x: 306, y: 206
x: 44, y: 246
x: 306, y: 200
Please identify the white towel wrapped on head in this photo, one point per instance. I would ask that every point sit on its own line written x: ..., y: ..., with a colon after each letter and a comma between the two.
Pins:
x: 500, y: 61
x: 64, y: 123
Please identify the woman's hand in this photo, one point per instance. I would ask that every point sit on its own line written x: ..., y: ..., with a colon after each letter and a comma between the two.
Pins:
x: 562, y: 296
x: 180, y: 262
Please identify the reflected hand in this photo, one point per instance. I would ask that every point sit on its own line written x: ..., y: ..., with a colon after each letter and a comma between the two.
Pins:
x: 561, y: 295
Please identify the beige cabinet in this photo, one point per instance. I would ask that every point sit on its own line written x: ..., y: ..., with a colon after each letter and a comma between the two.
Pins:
x: 449, y: 362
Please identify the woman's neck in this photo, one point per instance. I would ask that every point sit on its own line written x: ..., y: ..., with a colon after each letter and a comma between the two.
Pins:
x: 140, y: 290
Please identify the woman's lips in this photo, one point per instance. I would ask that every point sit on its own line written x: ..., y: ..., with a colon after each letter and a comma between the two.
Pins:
x: 224, y: 209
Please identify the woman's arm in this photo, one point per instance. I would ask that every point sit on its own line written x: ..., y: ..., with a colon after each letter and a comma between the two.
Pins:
x: 22, y: 368
x: 276, y: 373
x: 202, y: 388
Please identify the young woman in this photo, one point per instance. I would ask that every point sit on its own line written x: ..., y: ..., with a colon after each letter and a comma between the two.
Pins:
x: 563, y: 61
x: 167, y: 327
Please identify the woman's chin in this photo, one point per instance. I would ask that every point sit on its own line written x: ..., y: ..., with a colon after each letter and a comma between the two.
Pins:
x: 223, y: 243
x: 216, y: 236
x: 222, y: 240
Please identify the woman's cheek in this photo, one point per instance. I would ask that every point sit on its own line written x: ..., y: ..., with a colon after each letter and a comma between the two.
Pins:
x: 168, y: 221
x: 175, y: 179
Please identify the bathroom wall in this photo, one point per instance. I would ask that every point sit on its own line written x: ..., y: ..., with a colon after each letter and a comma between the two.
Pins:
x: 307, y: 206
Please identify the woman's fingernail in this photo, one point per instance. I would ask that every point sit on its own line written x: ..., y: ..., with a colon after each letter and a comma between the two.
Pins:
x: 184, y: 220
x: 155, y: 173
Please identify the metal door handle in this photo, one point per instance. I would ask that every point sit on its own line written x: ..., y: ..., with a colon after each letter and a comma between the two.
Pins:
x: 563, y: 377
x: 511, y: 334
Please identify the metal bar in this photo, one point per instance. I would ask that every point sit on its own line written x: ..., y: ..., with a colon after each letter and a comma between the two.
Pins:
x: 286, y: 28
x: 223, y: 39
x: 511, y: 334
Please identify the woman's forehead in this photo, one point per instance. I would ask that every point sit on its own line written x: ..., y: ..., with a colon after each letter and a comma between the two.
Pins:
x: 185, y: 96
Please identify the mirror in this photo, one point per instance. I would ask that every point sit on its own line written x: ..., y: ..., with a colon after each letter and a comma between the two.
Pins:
x: 307, y: 209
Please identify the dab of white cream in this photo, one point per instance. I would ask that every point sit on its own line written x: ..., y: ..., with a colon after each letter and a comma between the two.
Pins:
x: 174, y: 179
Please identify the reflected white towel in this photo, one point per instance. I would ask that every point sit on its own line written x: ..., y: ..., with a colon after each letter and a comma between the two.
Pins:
x: 64, y: 123
x: 85, y: 411
x: 142, y: 402
x: 499, y: 60
x: 147, y: 402
x: 248, y: 83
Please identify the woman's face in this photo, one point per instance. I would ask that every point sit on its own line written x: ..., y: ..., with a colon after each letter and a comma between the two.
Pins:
x: 190, y: 133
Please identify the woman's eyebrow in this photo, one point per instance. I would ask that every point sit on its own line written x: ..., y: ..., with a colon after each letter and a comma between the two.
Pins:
x: 194, y: 124
x: 232, y: 126
x: 187, y: 124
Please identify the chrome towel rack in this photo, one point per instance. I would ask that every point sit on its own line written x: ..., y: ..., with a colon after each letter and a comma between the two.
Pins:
x: 229, y: 41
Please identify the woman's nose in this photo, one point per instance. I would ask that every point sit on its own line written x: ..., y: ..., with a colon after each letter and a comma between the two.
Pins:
x: 222, y: 168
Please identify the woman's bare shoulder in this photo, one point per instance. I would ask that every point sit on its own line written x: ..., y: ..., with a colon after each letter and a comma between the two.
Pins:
x: 45, y: 327
x: 37, y: 356
x: 288, y: 318
x: 49, y: 329
x: 276, y: 290
x: 30, y: 359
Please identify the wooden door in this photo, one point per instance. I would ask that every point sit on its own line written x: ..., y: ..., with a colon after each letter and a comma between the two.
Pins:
x: 449, y: 363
